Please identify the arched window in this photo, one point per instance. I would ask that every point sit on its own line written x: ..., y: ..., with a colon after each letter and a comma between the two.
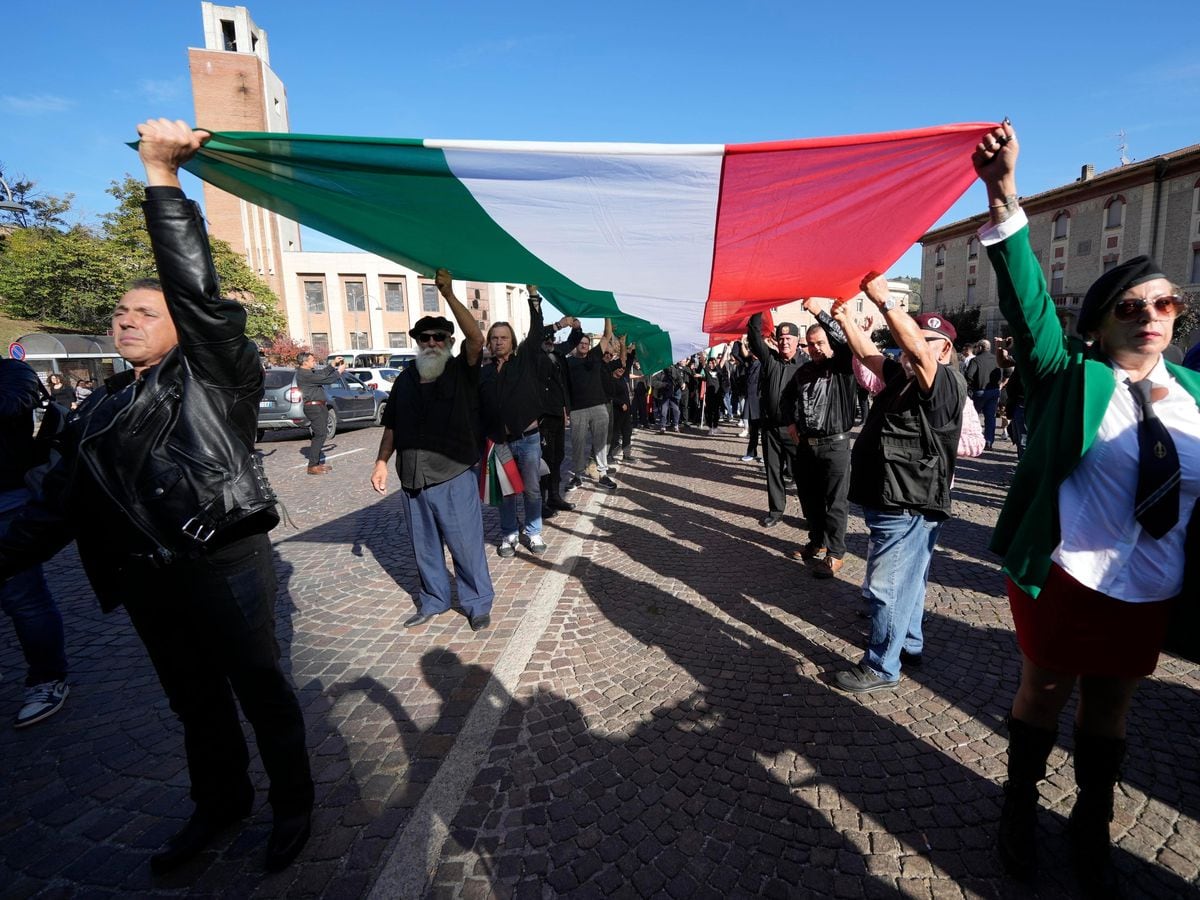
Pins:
x: 1062, y: 223
x: 1114, y: 212
x: 940, y: 259
x: 972, y: 248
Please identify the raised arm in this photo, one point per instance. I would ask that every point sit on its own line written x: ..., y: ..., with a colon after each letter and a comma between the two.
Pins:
x: 858, y: 341
x: 533, y: 340
x: 608, y: 343
x: 472, y: 348
x: 754, y: 336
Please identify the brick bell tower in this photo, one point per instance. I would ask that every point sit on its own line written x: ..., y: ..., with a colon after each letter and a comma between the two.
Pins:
x: 234, y: 89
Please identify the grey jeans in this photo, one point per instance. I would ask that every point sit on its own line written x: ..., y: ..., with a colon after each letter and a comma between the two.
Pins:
x: 591, y: 422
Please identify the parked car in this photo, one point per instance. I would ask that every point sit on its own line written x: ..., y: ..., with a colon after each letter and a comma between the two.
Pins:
x: 376, y: 379
x: 350, y: 402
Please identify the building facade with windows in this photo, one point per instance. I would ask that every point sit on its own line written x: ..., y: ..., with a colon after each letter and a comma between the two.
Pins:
x: 1079, y: 231
x: 354, y: 301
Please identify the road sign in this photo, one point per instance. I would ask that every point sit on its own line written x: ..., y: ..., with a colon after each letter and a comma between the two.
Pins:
x: 16, y: 351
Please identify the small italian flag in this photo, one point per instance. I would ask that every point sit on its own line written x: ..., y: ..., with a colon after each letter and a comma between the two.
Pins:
x: 677, y: 243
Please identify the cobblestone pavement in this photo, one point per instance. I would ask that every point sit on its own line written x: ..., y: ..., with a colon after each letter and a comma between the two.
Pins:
x: 655, y: 716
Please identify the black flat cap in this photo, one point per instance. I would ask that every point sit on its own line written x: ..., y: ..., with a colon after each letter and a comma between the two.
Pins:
x: 431, y: 323
x: 1110, y: 286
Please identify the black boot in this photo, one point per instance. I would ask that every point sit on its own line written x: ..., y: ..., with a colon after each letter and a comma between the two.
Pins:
x: 1028, y: 749
x: 205, y: 825
x: 1097, y: 770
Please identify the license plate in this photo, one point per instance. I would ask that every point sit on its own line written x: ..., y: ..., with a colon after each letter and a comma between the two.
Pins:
x: 267, y: 403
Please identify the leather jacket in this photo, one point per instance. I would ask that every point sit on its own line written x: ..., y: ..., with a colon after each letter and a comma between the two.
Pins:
x: 161, y: 467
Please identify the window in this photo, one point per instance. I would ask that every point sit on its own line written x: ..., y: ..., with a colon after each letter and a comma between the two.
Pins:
x: 972, y: 248
x: 393, y: 296
x: 1056, y: 283
x: 229, y: 35
x: 356, y: 297
x: 429, y: 298
x: 1196, y: 266
x: 1114, y: 213
x: 1061, y: 224
x: 314, y: 296
x: 1110, y: 262
x: 397, y: 339
x: 358, y: 340
x: 971, y: 292
x: 940, y: 255
x: 320, y: 343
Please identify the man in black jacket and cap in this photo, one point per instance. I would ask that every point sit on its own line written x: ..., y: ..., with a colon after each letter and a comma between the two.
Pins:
x: 312, y: 382
x: 778, y: 368
x: 164, y: 455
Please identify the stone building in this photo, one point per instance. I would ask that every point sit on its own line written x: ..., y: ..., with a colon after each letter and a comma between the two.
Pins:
x: 1078, y: 231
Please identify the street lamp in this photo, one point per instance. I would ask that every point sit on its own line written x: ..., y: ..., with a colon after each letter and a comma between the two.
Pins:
x: 10, y: 205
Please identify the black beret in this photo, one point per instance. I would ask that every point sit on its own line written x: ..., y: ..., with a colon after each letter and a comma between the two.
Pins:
x: 548, y: 333
x: 785, y: 328
x: 431, y: 323
x: 1110, y: 286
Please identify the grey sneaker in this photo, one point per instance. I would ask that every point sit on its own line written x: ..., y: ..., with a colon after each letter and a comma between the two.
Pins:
x: 574, y: 484
x: 41, y: 702
x: 535, y: 543
x: 507, y: 548
x: 863, y: 680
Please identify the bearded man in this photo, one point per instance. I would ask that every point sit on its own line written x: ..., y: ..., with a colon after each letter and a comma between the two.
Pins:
x: 432, y: 423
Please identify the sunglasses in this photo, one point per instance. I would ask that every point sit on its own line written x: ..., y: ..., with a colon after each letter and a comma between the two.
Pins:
x: 439, y: 336
x: 1168, y: 305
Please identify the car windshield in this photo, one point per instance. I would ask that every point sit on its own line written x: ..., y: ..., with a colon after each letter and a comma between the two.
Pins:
x: 389, y: 374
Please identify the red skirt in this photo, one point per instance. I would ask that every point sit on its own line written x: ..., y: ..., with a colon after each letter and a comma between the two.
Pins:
x: 1073, y: 629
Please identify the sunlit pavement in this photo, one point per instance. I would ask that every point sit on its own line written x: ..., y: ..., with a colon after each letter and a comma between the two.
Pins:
x: 651, y: 714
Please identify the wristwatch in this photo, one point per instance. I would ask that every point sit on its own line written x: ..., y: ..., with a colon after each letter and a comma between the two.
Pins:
x: 889, y: 304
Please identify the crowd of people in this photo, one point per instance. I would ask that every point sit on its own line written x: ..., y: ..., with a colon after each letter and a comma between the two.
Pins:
x: 1098, y: 534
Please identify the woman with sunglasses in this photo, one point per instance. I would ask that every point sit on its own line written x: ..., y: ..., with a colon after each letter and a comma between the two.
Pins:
x: 1094, y: 529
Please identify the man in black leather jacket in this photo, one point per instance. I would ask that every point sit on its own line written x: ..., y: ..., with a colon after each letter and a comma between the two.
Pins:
x: 163, y: 455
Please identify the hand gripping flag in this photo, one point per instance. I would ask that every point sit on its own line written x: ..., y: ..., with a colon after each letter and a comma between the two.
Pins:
x: 674, y: 242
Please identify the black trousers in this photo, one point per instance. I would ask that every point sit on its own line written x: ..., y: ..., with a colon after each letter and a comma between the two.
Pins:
x: 209, y: 626
x: 755, y: 427
x: 826, y: 468
x: 620, y: 431
x: 318, y: 415
x: 553, y: 447
x: 779, y: 455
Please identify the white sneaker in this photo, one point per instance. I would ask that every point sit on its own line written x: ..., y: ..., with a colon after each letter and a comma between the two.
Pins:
x: 41, y: 702
x: 535, y: 543
x: 744, y: 433
x: 507, y: 548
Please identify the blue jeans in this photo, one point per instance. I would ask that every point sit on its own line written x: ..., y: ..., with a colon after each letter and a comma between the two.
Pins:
x: 26, y: 600
x: 1017, y: 427
x: 527, y: 451
x: 449, y: 514
x: 986, y: 402
x: 898, y: 556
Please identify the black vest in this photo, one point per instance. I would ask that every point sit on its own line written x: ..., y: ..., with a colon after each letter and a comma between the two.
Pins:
x: 444, y: 417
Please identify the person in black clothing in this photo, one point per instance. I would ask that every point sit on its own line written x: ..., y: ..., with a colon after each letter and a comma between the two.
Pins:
x: 26, y: 597
x: 779, y: 367
x: 1014, y: 396
x: 621, y: 439
x: 641, y: 399
x: 556, y: 405
x: 590, y: 405
x: 163, y: 456
x: 510, y: 397
x: 61, y: 391
x: 821, y: 406
x: 983, y: 382
x: 751, y: 410
x: 312, y: 388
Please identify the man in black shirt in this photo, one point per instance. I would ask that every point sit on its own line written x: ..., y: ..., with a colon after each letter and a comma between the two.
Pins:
x: 901, y: 469
x: 778, y: 368
x: 312, y: 389
x: 556, y: 402
x: 983, y: 381
x: 590, y: 407
x: 432, y: 424
x: 821, y: 410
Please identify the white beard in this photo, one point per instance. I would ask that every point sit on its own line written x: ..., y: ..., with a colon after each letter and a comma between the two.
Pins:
x: 431, y: 362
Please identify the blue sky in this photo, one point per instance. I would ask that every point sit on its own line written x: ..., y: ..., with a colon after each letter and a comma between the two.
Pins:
x: 79, y: 76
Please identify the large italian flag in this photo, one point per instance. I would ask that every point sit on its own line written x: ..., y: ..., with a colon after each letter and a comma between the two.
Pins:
x: 678, y: 243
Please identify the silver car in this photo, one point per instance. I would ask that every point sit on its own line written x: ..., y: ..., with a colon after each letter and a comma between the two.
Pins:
x: 350, y: 402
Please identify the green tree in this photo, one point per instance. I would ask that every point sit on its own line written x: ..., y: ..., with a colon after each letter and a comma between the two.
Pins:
x: 967, y: 321
x: 73, y: 277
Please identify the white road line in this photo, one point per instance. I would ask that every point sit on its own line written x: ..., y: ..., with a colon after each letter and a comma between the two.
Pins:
x: 335, y: 456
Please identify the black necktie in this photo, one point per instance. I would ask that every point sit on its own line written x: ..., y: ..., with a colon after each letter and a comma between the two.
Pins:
x: 1157, y: 499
